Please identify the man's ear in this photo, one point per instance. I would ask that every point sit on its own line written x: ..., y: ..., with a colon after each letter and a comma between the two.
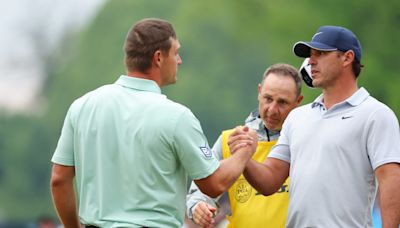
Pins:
x: 348, y: 57
x: 157, y: 58
x: 299, y: 99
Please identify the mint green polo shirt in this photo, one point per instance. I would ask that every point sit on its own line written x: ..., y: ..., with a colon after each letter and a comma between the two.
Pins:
x: 133, y: 150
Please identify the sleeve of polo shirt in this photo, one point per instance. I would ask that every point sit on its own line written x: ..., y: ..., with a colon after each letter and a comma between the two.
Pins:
x: 192, y: 147
x: 383, y: 140
x: 64, y: 153
x: 281, y: 150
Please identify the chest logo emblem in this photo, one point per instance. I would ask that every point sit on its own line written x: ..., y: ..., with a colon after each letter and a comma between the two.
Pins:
x: 242, y: 191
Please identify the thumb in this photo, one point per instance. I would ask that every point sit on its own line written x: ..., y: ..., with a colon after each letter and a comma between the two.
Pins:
x: 245, y: 128
x: 213, y: 210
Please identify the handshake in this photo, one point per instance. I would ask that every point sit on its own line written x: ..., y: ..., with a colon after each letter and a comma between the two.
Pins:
x: 242, y: 144
x: 243, y: 139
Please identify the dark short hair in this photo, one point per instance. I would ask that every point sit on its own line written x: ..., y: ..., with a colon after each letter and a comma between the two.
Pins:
x: 143, y: 39
x: 357, y: 66
x: 284, y: 70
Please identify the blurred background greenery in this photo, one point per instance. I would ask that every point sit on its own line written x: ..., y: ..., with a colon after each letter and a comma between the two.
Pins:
x: 226, y: 46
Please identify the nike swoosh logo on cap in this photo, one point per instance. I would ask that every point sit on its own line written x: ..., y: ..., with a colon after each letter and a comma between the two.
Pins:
x: 316, y: 34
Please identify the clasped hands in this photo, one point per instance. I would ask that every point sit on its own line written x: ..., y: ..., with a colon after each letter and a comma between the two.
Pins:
x: 243, y: 139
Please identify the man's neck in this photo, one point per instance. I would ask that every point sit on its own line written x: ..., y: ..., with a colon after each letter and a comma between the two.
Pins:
x: 339, y: 92
x: 149, y: 75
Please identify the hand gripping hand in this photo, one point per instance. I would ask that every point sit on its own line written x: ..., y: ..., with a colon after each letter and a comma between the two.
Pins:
x: 203, y: 214
x: 243, y: 138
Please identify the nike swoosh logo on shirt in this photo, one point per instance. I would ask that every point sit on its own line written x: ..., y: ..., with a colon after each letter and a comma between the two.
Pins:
x: 346, y: 117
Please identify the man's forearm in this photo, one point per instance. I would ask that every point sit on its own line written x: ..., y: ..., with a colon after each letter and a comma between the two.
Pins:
x: 390, y: 206
x: 63, y: 193
x: 389, y: 185
x: 233, y: 167
x: 266, y: 177
x: 257, y: 176
x: 230, y: 168
x: 65, y: 203
x: 226, y: 174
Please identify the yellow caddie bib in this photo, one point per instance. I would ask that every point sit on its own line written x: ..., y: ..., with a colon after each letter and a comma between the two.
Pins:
x: 250, y: 208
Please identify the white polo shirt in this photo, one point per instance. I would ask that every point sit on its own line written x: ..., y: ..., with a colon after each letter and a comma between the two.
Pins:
x: 133, y: 151
x: 333, y: 154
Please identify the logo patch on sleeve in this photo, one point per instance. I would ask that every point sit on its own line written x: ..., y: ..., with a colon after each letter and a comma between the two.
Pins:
x: 206, y: 151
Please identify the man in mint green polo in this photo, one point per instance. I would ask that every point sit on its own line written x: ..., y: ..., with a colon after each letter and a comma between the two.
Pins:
x: 131, y: 150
